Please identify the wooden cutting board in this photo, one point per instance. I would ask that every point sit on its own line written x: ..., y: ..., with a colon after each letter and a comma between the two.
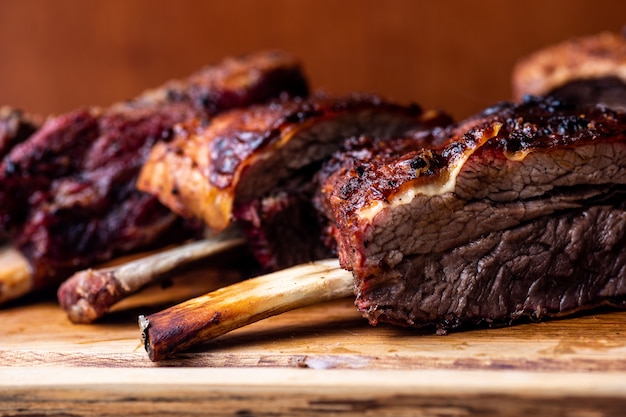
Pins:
x: 322, y: 360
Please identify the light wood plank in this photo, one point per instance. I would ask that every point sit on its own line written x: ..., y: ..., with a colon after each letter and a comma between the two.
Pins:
x: 300, y: 392
x: 320, y: 360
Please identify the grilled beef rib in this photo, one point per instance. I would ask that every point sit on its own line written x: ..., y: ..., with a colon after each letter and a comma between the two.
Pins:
x: 587, y: 70
x: 256, y: 165
x: 67, y: 193
x: 519, y: 213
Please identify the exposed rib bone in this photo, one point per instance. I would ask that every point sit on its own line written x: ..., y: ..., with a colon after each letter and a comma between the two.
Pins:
x: 206, y: 317
x: 16, y: 278
x: 89, y: 294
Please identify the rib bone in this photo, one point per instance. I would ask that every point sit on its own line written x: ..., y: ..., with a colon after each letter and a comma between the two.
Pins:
x: 206, y: 317
x: 16, y: 278
x: 89, y: 294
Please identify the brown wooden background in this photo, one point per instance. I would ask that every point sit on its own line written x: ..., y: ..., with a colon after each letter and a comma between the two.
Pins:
x: 56, y: 55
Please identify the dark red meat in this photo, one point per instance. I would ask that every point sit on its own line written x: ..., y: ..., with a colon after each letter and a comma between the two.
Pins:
x: 67, y: 194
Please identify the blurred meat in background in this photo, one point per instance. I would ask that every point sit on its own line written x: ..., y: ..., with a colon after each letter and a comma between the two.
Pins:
x: 457, y: 55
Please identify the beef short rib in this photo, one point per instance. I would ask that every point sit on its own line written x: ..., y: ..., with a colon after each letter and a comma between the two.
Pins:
x: 256, y: 166
x: 588, y: 70
x: 67, y: 193
x: 520, y: 212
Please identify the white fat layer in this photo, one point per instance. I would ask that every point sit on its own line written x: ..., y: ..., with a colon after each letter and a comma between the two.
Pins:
x: 372, y: 210
x: 431, y: 189
x: 409, y: 193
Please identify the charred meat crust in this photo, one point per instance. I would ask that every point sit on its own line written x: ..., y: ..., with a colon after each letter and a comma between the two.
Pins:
x: 233, y: 82
x: 285, y: 228
x: 244, y: 154
x: 504, y: 132
x: 512, y: 166
x: 260, y: 128
x: 585, y: 70
x: 507, y: 129
x: 68, y: 195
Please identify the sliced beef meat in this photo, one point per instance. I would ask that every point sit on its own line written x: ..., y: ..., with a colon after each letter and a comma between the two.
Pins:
x: 587, y: 70
x: 244, y: 154
x: 519, y: 213
x: 256, y: 165
x: 355, y: 155
x: 283, y: 229
x: 553, y: 266
x: 68, y: 195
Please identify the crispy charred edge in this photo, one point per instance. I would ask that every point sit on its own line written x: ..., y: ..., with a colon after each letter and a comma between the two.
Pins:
x: 507, y: 129
x: 586, y: 58
x: 545, y: 123
x: 287, y: 117
x: 341, y: 176
x: 214, y: 157
x: 233, y: 82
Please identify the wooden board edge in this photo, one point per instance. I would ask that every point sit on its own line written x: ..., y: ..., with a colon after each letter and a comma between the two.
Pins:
x: 298, y: 392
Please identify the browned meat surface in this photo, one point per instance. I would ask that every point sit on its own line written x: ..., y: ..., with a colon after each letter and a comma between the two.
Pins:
x: 283, y: 229
x: 244, y: 154
x: 587, y: 70
x: 256, y: 165
x: 67, y: 194
x: 519, y: 213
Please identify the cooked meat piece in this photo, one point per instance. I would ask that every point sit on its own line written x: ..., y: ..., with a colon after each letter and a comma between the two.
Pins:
x: 67, y: 194
x: 519, y: 213
x: 607, y: 91
x: 15, y: 127
x: 553, y: 266
x: 245, y: 154
x: 283, y: 229
x: 256, y: 166
x: 588, y: 70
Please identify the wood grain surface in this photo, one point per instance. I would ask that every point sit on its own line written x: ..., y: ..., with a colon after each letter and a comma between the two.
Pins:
x: 321, y: 360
